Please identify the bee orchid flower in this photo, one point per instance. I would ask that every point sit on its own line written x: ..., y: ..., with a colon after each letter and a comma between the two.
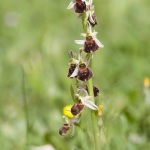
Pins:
x: 79, y: 68
x: 91, y: 43
x: 80, y: 6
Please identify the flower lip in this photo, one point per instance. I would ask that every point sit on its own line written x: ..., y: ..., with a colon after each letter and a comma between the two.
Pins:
x: 80, y: 6
x: 84, y: 73
x: 77, y: 108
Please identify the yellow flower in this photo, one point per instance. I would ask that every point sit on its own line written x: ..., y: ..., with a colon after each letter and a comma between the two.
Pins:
x: 67, y: 111
x: 146, y: 82
x: 100, y: 107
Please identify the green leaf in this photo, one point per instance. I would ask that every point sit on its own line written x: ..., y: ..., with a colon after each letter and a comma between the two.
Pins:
x: 72, y: 92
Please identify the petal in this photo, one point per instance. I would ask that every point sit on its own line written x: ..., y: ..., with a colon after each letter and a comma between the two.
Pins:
x: 75, y: 72
x: 72, y: 130
x: 71, y: 4
x: 90, y: 104
x: 99, y: 43
x: 91, y: 18
x: 79, y: 55
x: 87, y: 97
x: 83, y: 94
x: 70, y: 53
x: 93, y: 34
x: 91, y: 1
x: 83, y: 34
x: 88, y: 3
x: 79, y: 41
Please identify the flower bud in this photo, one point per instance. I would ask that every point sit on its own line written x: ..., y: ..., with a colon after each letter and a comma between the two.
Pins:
x: 64, y: 129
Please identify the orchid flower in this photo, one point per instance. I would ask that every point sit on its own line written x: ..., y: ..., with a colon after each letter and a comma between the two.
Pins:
x: 91, y: 43
x: 82, y: 71
x: 85, y: 99
x: 79, y: 6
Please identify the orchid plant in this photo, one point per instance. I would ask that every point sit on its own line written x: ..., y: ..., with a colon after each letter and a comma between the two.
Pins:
x: 83, y: 92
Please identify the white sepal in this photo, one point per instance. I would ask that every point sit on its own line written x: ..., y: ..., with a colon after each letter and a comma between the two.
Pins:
x: 91, y: 18
x: 73, y: 131
x: 79, y: 41
x: 88, y: 3
x: 90, y: 104
x: 83, y: 34
x: 99, y: 43
x: 71, y: 4
x: 75, y: 72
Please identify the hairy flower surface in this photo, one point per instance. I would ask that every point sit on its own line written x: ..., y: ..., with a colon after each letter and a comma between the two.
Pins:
x: 77, y: 108
x: 84, y: 72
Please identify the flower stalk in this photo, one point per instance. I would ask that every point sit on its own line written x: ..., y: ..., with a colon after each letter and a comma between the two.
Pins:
x: 80, y: 68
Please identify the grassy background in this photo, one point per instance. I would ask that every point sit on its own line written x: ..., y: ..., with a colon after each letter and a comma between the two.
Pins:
x: 36, y: 35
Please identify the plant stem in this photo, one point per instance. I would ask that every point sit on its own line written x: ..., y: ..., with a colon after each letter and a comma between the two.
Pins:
x: 94, y: 117
x: 84, y: 22
x: 90, y: 89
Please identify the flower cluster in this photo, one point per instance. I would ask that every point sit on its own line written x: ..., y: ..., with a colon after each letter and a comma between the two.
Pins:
x: 79, y: 66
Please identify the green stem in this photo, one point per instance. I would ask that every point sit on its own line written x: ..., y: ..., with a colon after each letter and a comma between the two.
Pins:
x: 84, y: 22
x: 90, y: 89
x: 94, y: 116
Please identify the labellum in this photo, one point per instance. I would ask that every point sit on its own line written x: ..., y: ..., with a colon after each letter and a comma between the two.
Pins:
x: 77, y: 108
x: 84, y: 73
x: 90, y: 45
x: 80, y: 6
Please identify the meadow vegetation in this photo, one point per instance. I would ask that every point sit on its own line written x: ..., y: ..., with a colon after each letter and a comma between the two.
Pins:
x: 35, y: 36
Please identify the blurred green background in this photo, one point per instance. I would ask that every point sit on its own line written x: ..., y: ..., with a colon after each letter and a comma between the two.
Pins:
x: 35, y: 36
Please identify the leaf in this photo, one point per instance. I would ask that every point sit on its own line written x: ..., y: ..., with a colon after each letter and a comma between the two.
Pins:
x: 72, y: 92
